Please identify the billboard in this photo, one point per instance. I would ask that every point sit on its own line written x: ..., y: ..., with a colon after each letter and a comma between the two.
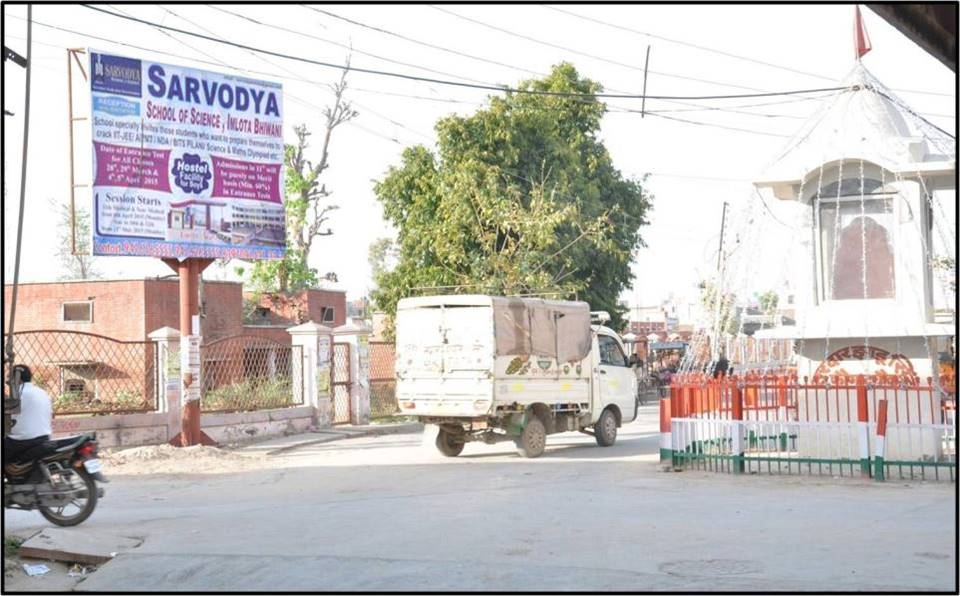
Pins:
x: 186, y: 162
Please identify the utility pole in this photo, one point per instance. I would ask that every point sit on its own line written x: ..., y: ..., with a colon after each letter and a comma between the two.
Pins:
x: 718, y: 290
x: 11, y: 402
x: 189, y: 271
x: 723, y: 220
x: 643, y: 102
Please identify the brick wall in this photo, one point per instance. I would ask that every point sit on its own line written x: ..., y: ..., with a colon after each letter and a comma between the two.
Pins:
x: 294, y: 308
x: 223, y: 307
x: 130, y: 309
x: 278, y: 334
x: 319, y: 299
x: 222, y: 302
x: 161, y: 304
x: 118, y: 309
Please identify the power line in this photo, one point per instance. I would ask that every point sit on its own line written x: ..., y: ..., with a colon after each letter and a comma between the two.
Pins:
x: 714, y: 125
x: 290, y: 95
x: 338, y: 44
x: 611, y: 109
x: 723, y: 53
x: 448, y: 82
x: 521, y: 69
x: 489, y: 61
x: 587, y: 55
x: 308, y: 104
x: 691, y: 45
x: 419, y: 42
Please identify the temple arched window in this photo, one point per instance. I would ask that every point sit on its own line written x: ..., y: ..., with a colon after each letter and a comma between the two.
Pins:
x: 855, y: 223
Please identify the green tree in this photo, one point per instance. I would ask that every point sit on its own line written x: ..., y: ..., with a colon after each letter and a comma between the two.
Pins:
x: 79, y: 263
x: 769, y: 301
x: 306, y: 204
x: 519, y: 197
x: 722, y: 311
x: 946, y: 268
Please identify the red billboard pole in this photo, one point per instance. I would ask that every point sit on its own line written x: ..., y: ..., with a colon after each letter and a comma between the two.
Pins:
x: 188, y: 271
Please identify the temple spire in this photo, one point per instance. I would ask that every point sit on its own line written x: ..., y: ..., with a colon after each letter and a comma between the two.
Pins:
x: 861, y: 40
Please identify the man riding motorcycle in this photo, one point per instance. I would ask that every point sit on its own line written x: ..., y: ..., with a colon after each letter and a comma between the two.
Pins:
x: 31, y: 425
x: 58, y: 477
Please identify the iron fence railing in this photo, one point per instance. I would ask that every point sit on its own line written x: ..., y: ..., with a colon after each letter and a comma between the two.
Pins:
x: 249, y: 372
x: 340, y: 383
x: 826, y: 425
x: 86, y: 373
x: 383, y: 384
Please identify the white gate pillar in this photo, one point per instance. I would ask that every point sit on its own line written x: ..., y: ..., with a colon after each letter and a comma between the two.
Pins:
x: 358, y: 337
x: 167, y: 344
x: 316, y: 343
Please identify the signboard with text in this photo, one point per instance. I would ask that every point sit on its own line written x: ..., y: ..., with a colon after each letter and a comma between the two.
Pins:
x: 186, y: 162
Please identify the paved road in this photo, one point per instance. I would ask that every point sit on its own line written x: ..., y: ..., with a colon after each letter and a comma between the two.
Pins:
x: 388, y: 513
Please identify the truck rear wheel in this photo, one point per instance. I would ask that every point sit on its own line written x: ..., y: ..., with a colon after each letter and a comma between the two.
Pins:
x: 448, y: 444
x: 533, y: 439
x: 605, y: 430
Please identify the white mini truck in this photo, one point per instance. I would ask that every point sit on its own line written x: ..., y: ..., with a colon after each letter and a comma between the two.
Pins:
x: 488, y: 368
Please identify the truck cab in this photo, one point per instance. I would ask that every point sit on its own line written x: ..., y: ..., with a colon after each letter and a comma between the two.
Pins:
x: 616, y: 381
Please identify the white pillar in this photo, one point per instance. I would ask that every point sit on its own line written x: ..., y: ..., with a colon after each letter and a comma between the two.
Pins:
x: 167, y: 344
x: 358, y: 337
x: 316, y: 341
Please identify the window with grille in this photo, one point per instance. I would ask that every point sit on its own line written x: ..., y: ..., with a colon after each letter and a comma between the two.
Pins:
x: 77, y: 312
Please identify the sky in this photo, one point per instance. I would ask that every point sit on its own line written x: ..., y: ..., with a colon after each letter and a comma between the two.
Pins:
x: 694, y: 167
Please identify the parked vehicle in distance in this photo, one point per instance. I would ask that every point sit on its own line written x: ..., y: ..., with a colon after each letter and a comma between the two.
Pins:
x: 491, y: 369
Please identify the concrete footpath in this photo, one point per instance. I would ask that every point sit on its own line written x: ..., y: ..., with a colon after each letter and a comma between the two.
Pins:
x: 282, y: 444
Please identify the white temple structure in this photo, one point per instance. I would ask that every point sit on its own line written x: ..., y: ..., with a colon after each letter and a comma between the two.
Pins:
x: 871, y: 180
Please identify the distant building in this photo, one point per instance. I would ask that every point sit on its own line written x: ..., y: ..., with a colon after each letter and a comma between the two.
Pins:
x: 130, y: 309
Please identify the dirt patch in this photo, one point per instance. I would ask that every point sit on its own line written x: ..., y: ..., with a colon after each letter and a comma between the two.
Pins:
x: 167, y: 459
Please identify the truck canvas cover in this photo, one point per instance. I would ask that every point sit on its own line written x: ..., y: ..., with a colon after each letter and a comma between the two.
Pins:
x: 537, y: 327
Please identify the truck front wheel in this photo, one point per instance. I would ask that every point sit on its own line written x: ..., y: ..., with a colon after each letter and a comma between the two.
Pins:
x: 533, y: 439
x: 605, y: 430
x: 449, y: 444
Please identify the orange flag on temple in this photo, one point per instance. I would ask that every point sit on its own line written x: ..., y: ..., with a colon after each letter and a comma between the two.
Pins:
x: 860, y: 37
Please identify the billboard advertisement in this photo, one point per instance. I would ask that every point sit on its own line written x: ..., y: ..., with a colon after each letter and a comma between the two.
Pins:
x: 186, y: 162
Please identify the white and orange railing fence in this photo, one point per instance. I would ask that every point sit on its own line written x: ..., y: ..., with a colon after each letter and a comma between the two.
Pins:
x: 839, y: 425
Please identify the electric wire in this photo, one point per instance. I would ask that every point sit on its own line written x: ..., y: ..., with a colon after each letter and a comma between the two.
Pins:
x: 340, y: 45
x: 722, y: 52
x: 588, y: 55
x: 611, y: 109
x: 503, y: 88
x: 521, y: 69
x: 419, y: 42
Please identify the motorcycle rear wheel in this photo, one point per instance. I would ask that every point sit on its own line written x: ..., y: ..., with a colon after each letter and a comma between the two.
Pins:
x: 84, y: 504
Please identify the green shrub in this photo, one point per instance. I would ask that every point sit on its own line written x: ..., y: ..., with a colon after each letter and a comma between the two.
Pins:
x: 251, y: 394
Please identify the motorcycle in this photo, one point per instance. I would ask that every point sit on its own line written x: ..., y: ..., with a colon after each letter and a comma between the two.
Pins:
x: 59, y: 478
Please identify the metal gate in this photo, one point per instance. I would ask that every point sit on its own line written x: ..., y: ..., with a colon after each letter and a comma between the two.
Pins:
x: 340, y: 382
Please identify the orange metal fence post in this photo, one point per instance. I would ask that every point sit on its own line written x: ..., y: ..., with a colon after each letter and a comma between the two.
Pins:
x: 666, y: 447
x: 863, y: 418
x: 878, y: 471
x: 737, y: 428
x: 782, y: 408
